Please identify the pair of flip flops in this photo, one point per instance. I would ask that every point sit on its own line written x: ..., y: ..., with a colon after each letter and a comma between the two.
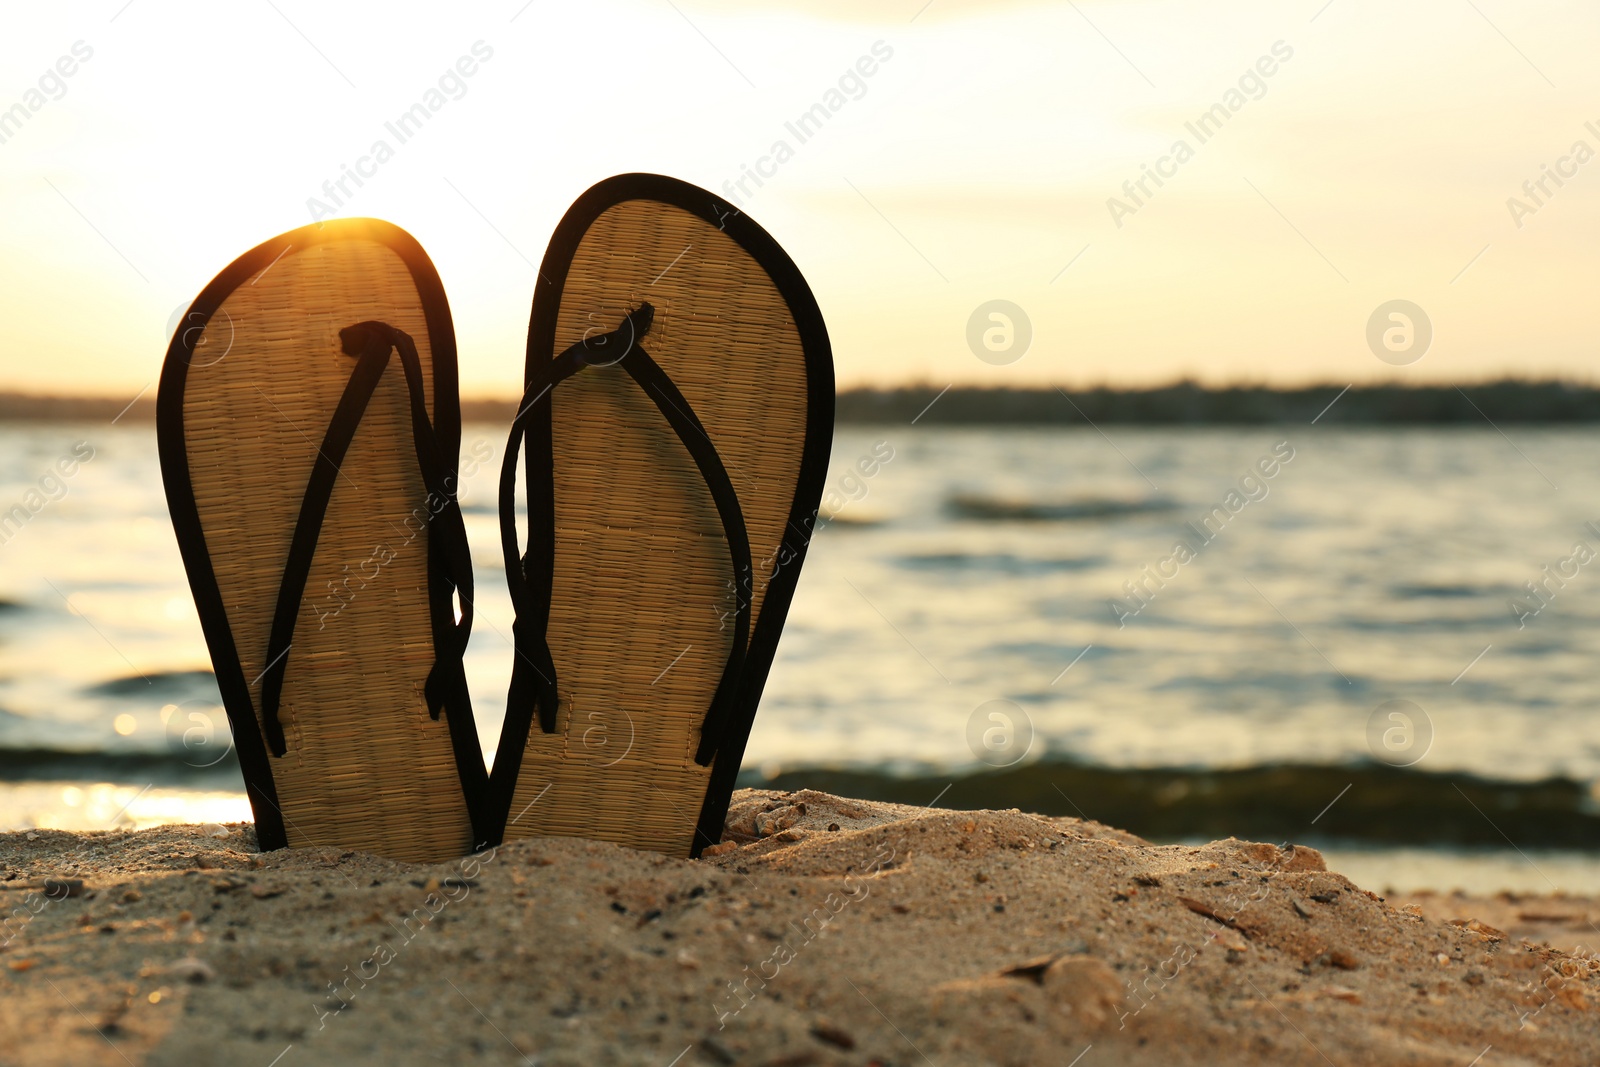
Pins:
x: 673, y: 436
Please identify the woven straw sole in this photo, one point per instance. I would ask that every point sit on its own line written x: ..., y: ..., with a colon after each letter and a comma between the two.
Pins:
x: 641, y: 618
x: 366, y: 768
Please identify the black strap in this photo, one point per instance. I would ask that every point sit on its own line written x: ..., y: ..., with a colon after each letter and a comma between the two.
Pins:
x: 530, y: 575
x: 449, y: 564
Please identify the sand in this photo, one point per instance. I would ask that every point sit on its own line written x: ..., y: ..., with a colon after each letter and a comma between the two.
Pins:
x: 823, y: 931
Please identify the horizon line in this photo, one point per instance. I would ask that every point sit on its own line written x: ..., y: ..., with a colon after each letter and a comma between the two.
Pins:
x: 144, y: 398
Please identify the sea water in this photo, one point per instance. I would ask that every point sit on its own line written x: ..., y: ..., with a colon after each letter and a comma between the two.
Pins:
x: 1201, y: 599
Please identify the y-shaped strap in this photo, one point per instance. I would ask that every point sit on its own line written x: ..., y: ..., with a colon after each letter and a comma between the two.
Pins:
x: 530, y: 575
x: 449, y: 564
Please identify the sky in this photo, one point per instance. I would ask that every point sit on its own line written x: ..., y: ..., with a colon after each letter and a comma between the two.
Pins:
x: 1360, y: 152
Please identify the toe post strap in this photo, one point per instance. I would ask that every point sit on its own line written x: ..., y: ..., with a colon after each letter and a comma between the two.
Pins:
x: 530, y: 569
x: 449, y: 563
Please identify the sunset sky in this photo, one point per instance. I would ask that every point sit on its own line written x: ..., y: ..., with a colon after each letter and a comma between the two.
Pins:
x: 975, y: 162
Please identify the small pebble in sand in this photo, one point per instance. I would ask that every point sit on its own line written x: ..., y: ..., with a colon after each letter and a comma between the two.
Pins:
x: 832, y: 1035
x: 1229, y: 940
x: 1482, y: 929
x: 771, y: 822
x: 191, y: 969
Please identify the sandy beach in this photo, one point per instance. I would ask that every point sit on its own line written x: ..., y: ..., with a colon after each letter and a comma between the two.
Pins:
x: 822, y: 931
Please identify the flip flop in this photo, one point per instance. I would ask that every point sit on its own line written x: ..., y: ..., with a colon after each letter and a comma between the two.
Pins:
x: 309, y: 428
x: 677, y: 418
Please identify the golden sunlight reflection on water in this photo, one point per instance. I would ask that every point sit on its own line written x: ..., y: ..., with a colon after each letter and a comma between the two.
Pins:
x: 104, y: 806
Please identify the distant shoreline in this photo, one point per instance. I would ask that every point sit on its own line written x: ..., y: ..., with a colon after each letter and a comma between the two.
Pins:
x: 1189, y: 404
x: 1183, y: 404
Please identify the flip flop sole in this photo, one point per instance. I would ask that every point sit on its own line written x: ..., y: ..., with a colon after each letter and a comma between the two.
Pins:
x: 642, y: 612
x: 251, y: 381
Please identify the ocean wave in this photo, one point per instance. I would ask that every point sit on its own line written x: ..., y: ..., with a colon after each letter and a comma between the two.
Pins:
x: 1000, y: 562
x: 1003, y: 509
x: 177, y: 685
x: 1280, y: 802
x: 1489, y: 617
x: 1422, y: 590
x: 133, y: 767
